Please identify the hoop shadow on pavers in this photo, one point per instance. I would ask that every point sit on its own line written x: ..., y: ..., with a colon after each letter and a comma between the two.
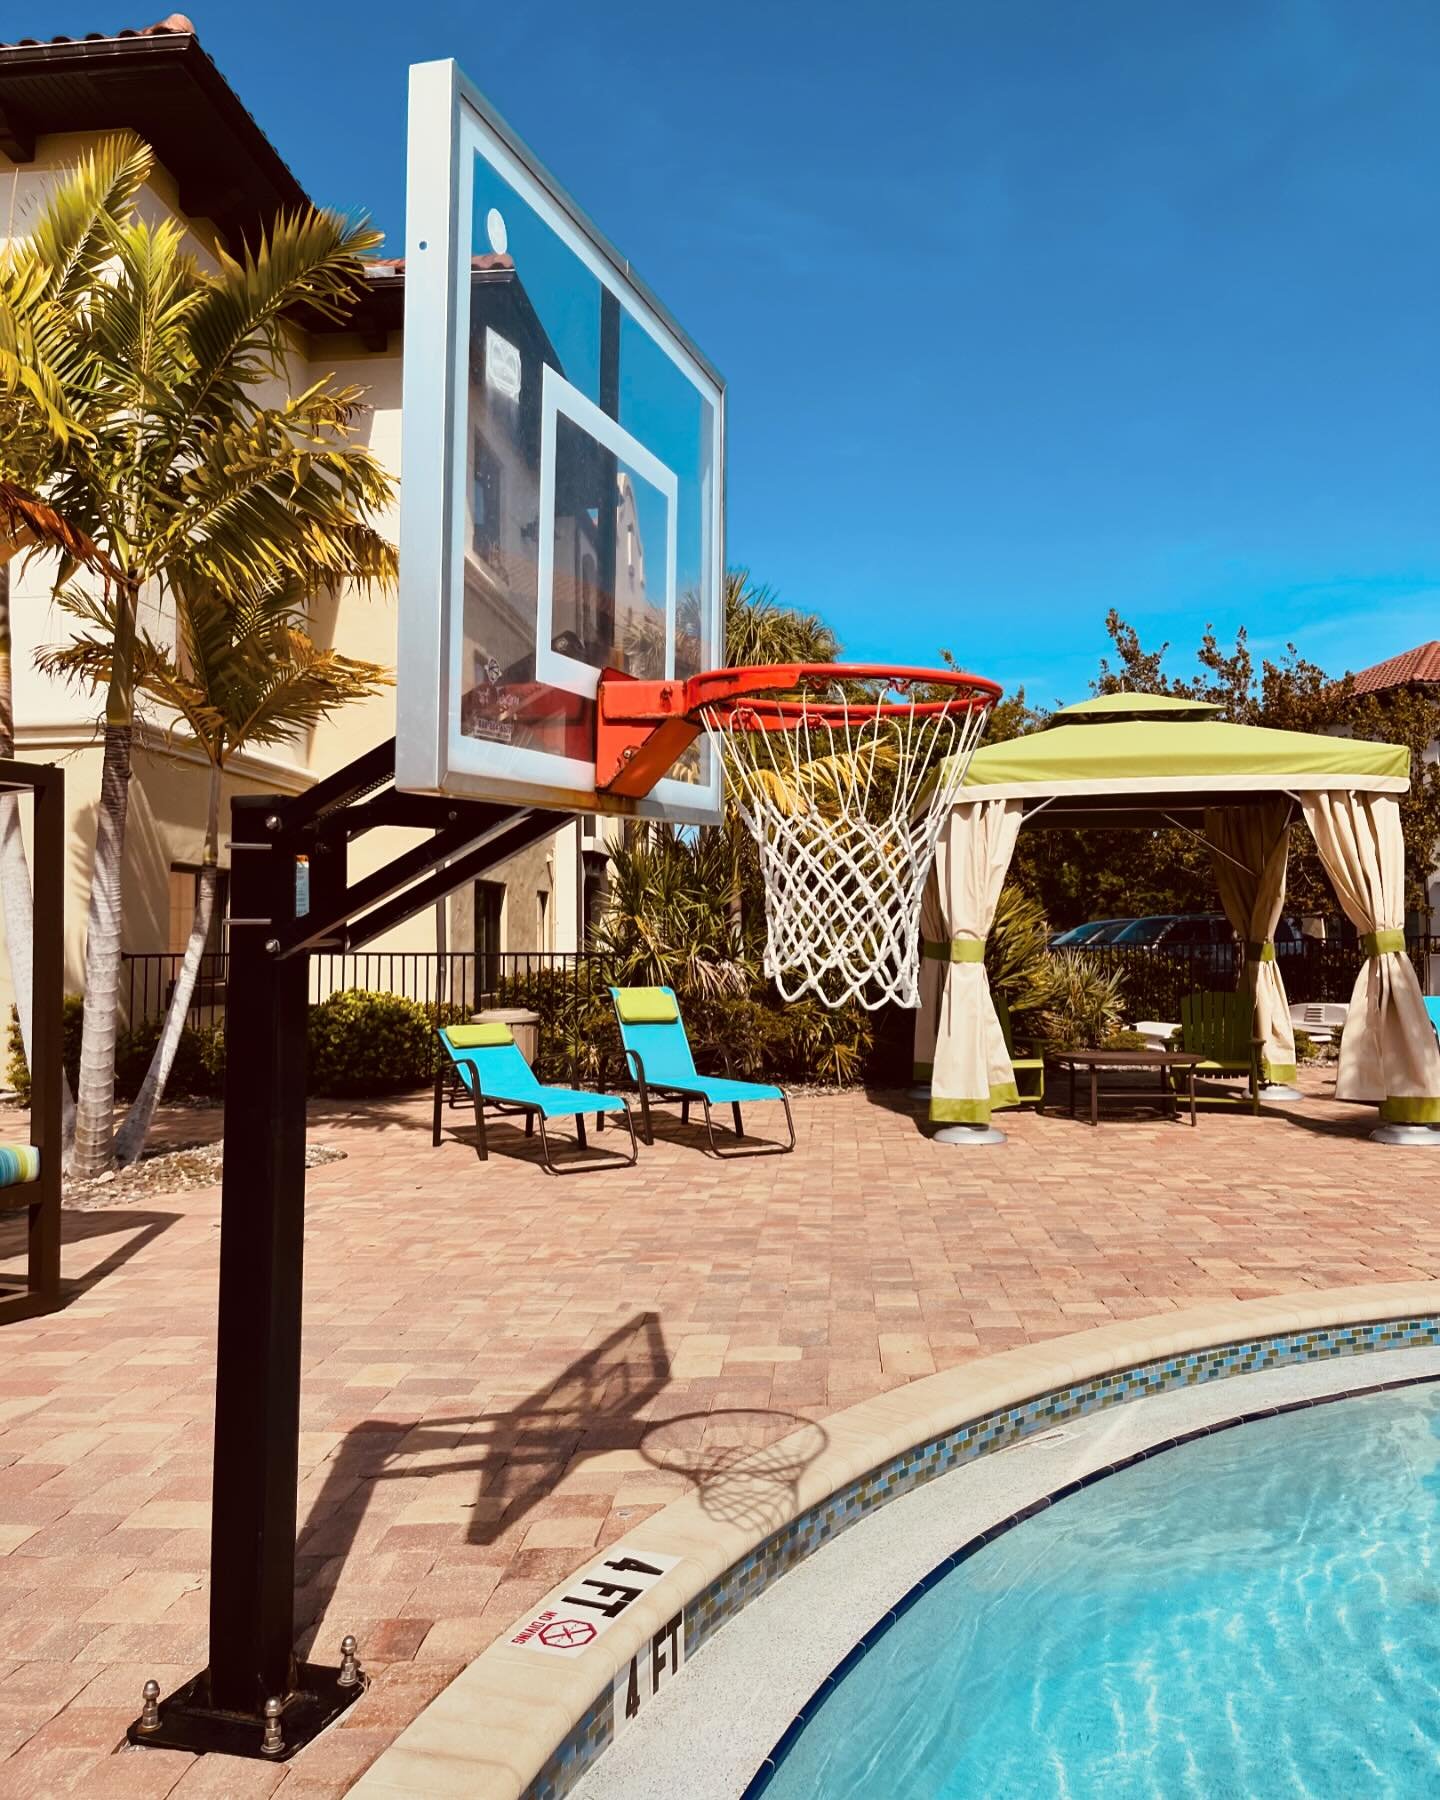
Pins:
x: 739, y: 1481
x: 517, y: 1454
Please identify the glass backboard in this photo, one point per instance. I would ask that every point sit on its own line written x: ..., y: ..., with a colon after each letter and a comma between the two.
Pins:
x: 562, y: 478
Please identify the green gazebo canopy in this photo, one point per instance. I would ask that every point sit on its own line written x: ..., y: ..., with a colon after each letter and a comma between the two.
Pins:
x: 1153, y: 752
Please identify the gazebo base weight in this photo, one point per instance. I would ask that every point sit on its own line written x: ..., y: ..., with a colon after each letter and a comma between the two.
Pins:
x: 920, y: 1091
x: 966, y: 1135
x: 1413, y: 1137
x: 1279, y: 1090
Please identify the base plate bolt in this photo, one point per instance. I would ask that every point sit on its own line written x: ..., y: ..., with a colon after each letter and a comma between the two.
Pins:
x: 349, y: 1675
x: 150, y: 1707
x: 272, y: 1744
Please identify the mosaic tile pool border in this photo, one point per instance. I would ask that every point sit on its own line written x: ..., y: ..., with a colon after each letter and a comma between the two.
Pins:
x: 749, y: 1577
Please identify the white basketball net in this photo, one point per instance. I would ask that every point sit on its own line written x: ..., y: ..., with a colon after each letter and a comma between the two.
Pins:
x: 844, y: 852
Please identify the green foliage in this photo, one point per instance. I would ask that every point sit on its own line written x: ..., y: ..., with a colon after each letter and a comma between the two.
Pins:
x: 198, y: 1071
x: 1305, y: 1050
x: 674, y: 917
x: 1021, y: 969
x: 1126, y: 1040
x: 17, y: 1070
x: 364, y: 1043
x: 1086, y: 1009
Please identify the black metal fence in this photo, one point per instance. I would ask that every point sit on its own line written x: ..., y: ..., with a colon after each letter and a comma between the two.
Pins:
x: 463, y: 978
x: 1157, y: 977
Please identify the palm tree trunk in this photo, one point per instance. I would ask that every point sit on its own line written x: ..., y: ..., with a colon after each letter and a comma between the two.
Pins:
x: 95, y: 1101
x: 15, y: 891
x: 130, y: 1139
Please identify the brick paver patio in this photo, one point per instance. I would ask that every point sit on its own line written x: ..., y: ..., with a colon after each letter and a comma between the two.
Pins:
x: 504, y: 1369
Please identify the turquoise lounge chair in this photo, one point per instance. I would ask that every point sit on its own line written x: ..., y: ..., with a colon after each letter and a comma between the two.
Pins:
x: 658, y: 1052
x: 1432, y: 1008
x: 484, y: 1061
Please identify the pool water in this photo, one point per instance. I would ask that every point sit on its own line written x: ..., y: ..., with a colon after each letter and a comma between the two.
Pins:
x: 1256, y: 1613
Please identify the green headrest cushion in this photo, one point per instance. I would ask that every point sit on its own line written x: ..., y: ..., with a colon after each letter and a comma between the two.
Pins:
x: 646, y: 1006
x: 479, y: 1037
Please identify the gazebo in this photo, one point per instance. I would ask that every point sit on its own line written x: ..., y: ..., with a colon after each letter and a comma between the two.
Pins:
x: 1151, y: 760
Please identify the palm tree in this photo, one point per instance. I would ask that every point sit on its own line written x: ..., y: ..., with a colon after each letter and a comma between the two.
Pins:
x: 243, y: 674
x: 151, y: 375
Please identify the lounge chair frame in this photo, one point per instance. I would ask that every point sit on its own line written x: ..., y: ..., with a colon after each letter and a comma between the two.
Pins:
x: 448, y: 1077
x: 668, y: 1090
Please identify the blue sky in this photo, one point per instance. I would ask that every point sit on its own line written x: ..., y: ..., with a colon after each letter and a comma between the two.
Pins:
x: 1026, y: 310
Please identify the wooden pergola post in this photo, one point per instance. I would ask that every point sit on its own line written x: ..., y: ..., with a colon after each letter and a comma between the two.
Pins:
x: 40, y: 1199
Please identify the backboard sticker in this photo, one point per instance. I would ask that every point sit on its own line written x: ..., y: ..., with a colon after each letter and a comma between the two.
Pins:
x: 593, y: 1601
x: 649, y: 1669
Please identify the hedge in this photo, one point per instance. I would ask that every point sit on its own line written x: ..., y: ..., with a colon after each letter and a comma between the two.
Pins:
x: 360, y: 1043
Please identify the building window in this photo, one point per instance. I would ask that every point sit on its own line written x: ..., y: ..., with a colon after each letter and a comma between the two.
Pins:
x: 184, y: 891
x: 488, y: 914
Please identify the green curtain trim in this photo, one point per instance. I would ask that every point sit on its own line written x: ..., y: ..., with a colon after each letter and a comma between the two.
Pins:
x: 921, y: 1071
x: 1406, y: 1109
x: 974, y: 1112
x: 957, y: 950
x: 1283, y: 1073
x: 1383, y: 943
x: 1262, y: 950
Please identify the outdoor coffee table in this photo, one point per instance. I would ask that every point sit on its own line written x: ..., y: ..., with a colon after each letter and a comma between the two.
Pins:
x: 1164, y: 1062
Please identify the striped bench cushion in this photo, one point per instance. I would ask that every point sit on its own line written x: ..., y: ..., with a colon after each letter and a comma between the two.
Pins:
x: 18, y: 1162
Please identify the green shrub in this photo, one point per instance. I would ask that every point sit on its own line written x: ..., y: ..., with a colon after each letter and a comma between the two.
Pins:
x: 17, y: 1072
x: 1086, y: 1009
x: 1304, y: 1047
x: 363, y: 1043
x: 1018, y: 962
x: 193, y: 1074
x: 1126, y: 1040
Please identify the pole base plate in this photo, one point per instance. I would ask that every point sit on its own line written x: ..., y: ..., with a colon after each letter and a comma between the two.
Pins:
x: 189, y: 1722
x: 1413, y: 1137
x: 967, y: 1136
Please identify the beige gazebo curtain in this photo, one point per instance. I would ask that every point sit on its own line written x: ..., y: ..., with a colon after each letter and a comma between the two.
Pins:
x: 1388, y: 1052
x: 971, y: 1070
x: 1249, y: 848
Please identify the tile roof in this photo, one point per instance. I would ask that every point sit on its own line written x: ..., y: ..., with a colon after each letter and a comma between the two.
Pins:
x: 175, y: 22
x: 1420, y: 664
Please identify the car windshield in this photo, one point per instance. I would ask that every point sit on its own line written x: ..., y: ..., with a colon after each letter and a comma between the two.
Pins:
x: 1145, y: 931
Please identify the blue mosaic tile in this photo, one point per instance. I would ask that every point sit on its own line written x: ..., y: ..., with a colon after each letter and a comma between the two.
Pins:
x: 744, y: 1580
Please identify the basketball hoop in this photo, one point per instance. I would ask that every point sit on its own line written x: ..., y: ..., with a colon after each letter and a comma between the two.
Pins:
x: 827, y: 762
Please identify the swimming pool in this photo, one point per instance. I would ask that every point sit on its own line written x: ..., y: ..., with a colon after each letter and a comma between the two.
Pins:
x: 1255, y: 1613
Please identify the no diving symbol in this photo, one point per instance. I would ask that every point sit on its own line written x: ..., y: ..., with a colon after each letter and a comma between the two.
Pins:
x: 566, y: 1634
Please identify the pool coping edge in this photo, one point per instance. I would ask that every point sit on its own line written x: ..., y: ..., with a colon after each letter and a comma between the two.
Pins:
x: 495, y: 1732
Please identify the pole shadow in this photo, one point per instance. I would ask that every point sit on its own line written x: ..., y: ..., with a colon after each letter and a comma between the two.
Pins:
x: 77, y: 1227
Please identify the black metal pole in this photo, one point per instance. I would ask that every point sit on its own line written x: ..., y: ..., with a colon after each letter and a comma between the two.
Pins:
x: 254, y: 1698
x: 262, y: 1245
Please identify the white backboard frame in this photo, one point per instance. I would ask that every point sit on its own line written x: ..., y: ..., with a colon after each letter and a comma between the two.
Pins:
x: 449, y: 123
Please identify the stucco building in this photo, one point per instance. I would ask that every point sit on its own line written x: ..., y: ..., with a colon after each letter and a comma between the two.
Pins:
x: 219, y: 176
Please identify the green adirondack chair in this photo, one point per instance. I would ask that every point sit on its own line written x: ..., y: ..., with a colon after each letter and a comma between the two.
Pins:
x: 1221, y: 1028
x: 1029, y: 1070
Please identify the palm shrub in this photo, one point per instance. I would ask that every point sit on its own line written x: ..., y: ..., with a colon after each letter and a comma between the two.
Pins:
x: 1018, y: 962
x: 669, y: 920
x: 1087, y: 1006
x: 241, y: 674
x: 137, y: 397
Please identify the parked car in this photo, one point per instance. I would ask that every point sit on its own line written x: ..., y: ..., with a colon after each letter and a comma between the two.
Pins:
x: 1097, y: 931
x: 1205, y: 935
